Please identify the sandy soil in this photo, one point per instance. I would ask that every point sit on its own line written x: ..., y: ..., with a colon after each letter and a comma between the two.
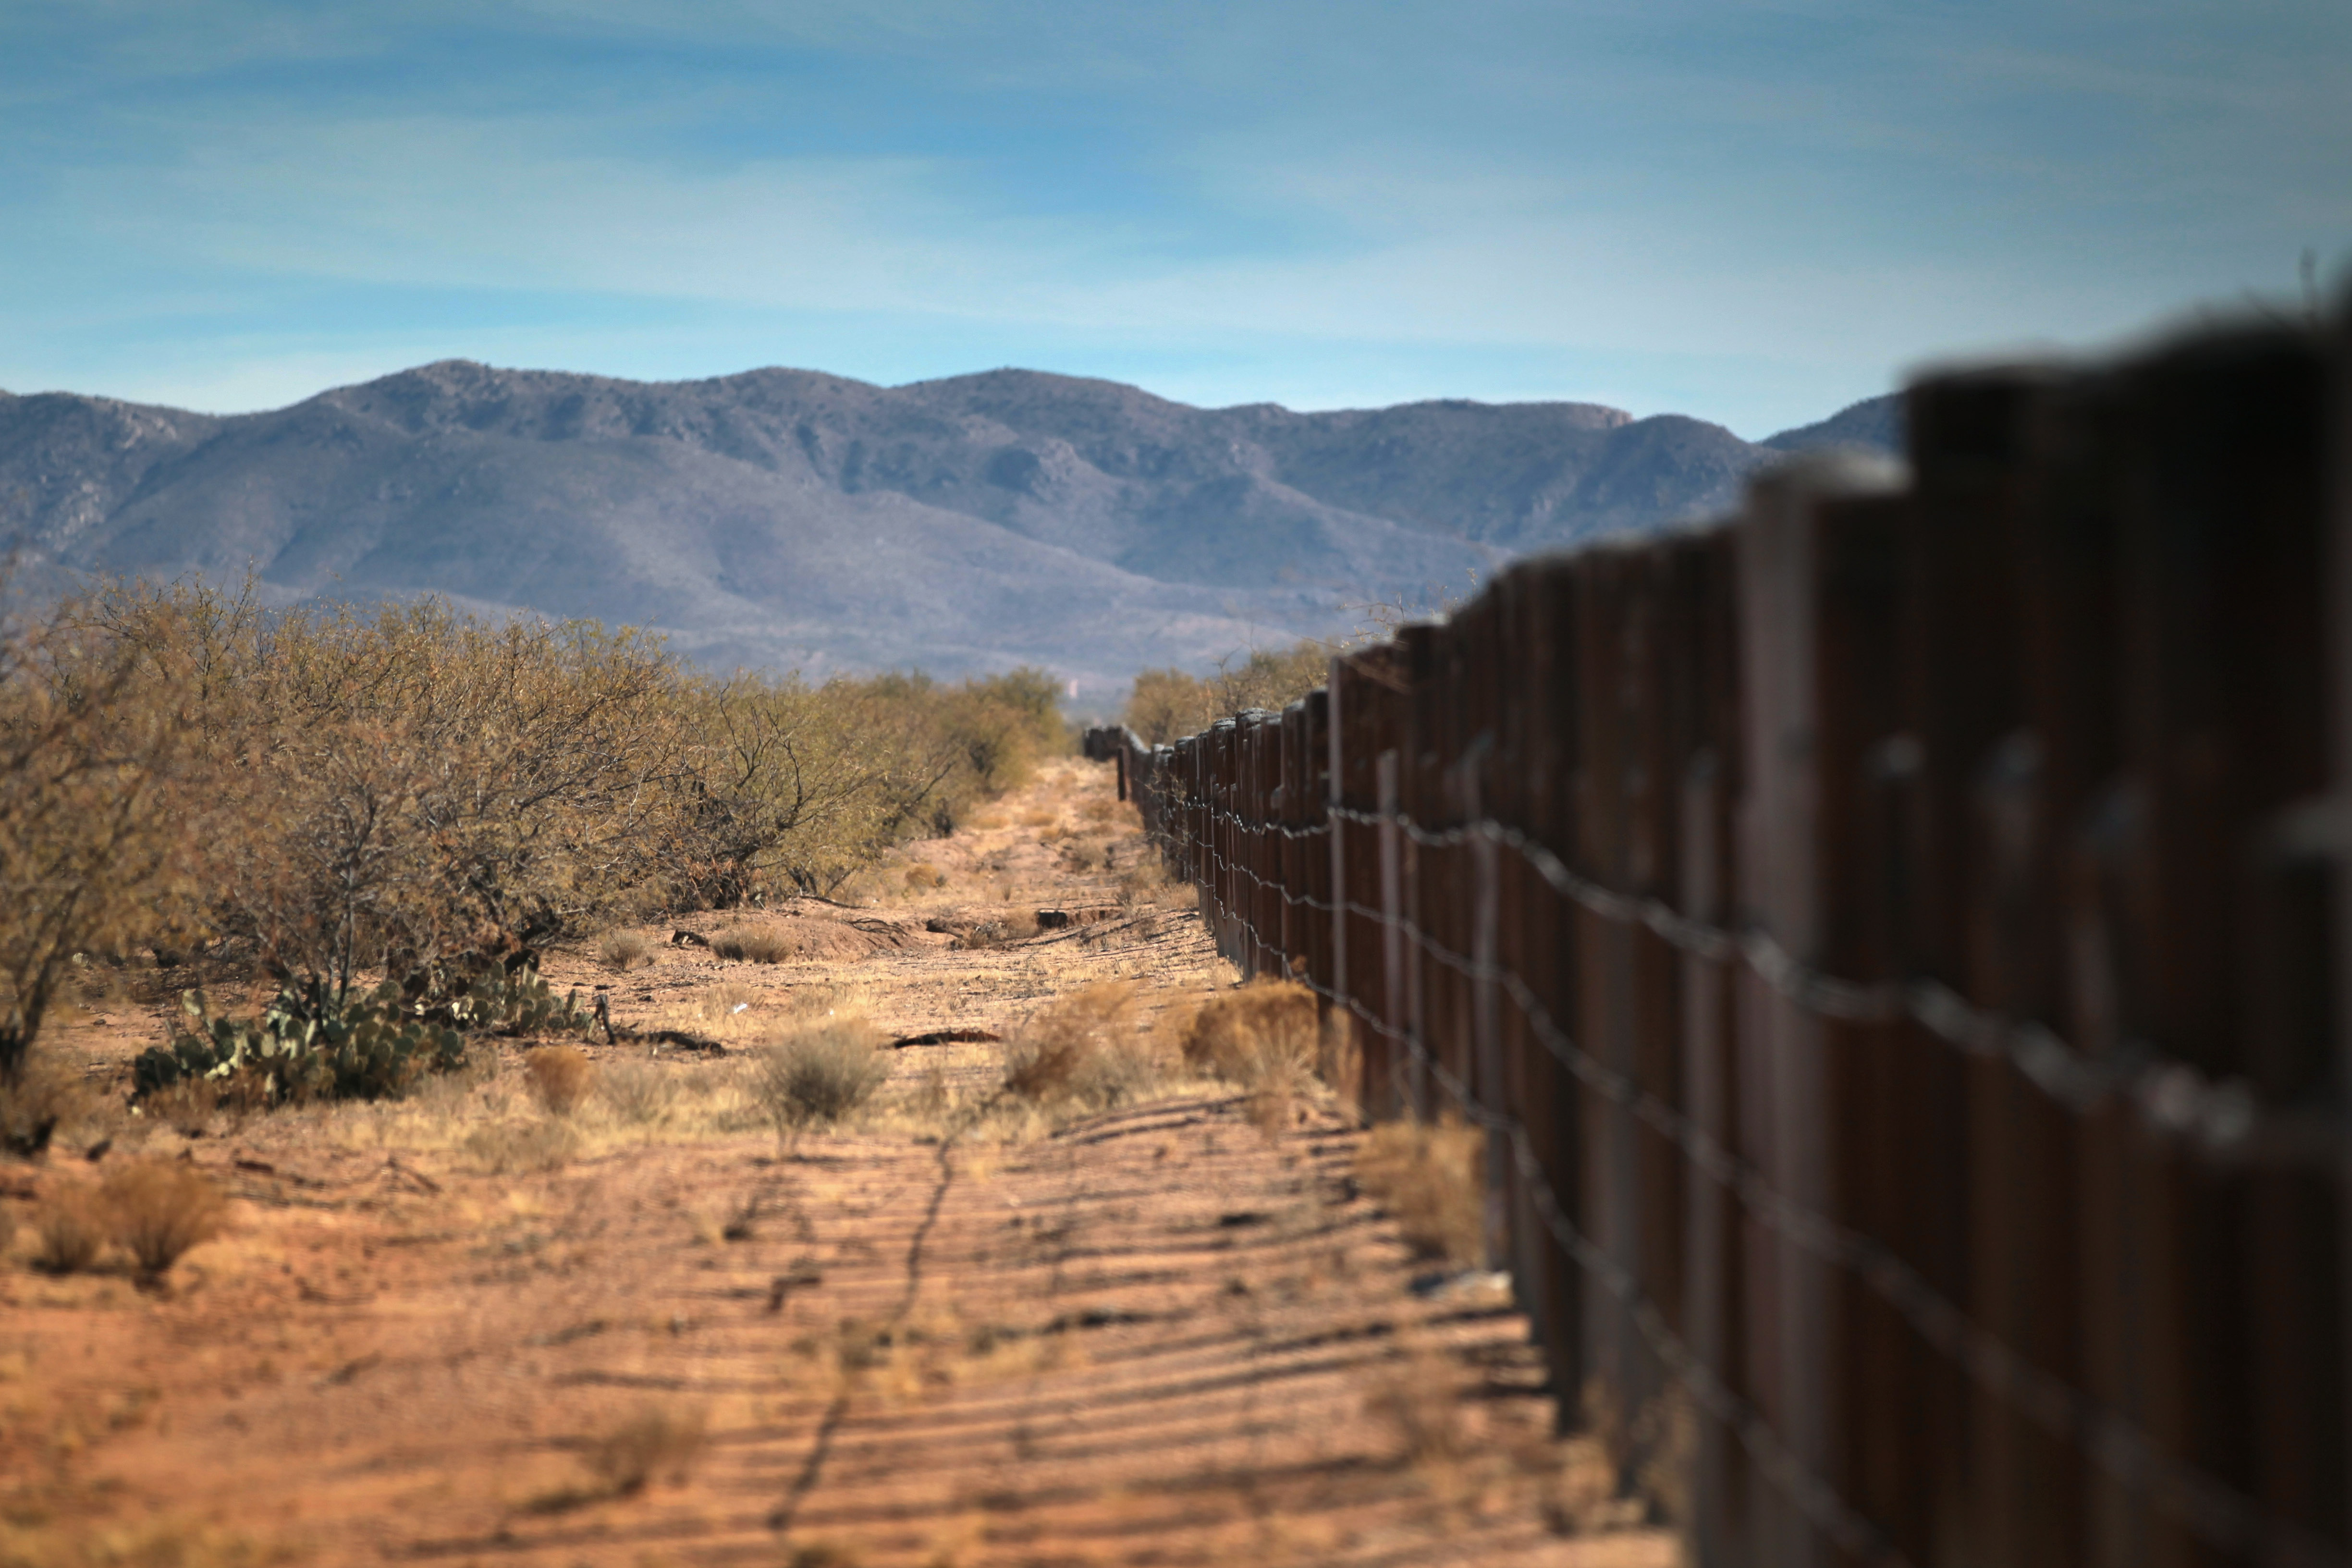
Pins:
x: 458, y: 1328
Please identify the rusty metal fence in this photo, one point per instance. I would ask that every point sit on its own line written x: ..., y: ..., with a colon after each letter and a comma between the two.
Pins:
x: 1895, y: 940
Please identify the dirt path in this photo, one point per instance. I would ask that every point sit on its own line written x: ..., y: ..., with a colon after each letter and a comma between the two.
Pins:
x: 1157, y: 1335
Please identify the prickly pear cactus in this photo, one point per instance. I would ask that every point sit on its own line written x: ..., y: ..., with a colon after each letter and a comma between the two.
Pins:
x: 514, y: 1002
x: 308, y: 1041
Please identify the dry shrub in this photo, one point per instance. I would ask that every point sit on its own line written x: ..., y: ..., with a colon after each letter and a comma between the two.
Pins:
x: 185, y: 1107
x: 1047, y: 1059
x: 820, y: 996
x: 506, y: 1148
x: 1015, y: 925
x: 754, y: 944
x: 1085, y: 1050
x: 157, y: 1209
x: 69, y: 1229
x: 1144, y: 883
x: 1665, y: 1453
x: 654, y: 1443
x: 1129, y: 1068
x: 717, y: 1004
x: 1418, y: 1398
x: 92, y: 837
x: 1429, y: 1178
x: 818, y: 1074
x: 561, y: 1077
x: 625, y: 950
x: 438, y: 786
x: 1168, y: 704
x: 639, y: 1092
x: 41, y: 1096
x: 923, y: 875
x: 1266, y: 1036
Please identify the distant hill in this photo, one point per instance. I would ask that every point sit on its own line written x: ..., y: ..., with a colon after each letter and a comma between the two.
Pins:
x: 792, y: 519
x: 1874, y: 424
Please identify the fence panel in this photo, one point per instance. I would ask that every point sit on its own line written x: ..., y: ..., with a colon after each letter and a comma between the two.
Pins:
x: 1897, y: 945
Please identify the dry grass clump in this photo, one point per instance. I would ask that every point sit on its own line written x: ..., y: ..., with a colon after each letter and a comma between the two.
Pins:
x: 1143, y: 883
x: 185, y: 1107
x: 1636, y: 1466
x: 1013, y: 925
x: 157, y: 1209
x: 730, y: 1014
x: 508, y: 1148
x: 717, y: 1004
x: 560, y: 1077
x: 69, y: 1229
x: 1101, y: 809
x: 1268, y: 1039
x: 1419, y: 1400
x: 625, y: 950
x: 922, y: 876
x: 154, y: 1210
x: 1039, y: 818
x: 820, y: 997
x: 641, y: 1093
x: 754, y: 944
x: 1084, y: 1050
x: 1430, y: 1178
x: 819, y: 1073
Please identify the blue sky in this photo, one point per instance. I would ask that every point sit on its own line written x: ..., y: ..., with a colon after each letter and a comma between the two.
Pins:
x: 1755, y: 212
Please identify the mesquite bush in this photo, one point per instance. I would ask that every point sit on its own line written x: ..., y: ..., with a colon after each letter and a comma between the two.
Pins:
x: 388, y: 811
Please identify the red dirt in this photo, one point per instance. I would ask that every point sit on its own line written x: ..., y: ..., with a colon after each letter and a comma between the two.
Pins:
x: 1157, y: 1335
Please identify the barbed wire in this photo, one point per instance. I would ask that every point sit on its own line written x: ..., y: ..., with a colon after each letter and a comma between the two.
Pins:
x: 2225, y: 1117
x: 1816, y: 1496
x: 2212, y: 1509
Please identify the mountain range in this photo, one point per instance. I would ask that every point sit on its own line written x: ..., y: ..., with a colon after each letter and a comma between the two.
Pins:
x: 790, y: 519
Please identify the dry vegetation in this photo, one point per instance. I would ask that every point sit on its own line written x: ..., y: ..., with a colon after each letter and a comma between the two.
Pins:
x: 1428, y: 1177
x: 389, y: 816
x: 1269, y: 1038
x: 153, y: 1210
x: 819, y: 1073
x: 1168, y: 704
x: 577, y: 1292
x: 560, y: 1077
x: 1090, y: 1050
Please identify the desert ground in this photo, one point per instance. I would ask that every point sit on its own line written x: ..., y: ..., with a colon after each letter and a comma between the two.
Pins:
x: 474, y: 1326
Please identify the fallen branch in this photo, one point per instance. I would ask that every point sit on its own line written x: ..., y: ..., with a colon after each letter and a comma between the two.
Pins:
x: 946, y: 1037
